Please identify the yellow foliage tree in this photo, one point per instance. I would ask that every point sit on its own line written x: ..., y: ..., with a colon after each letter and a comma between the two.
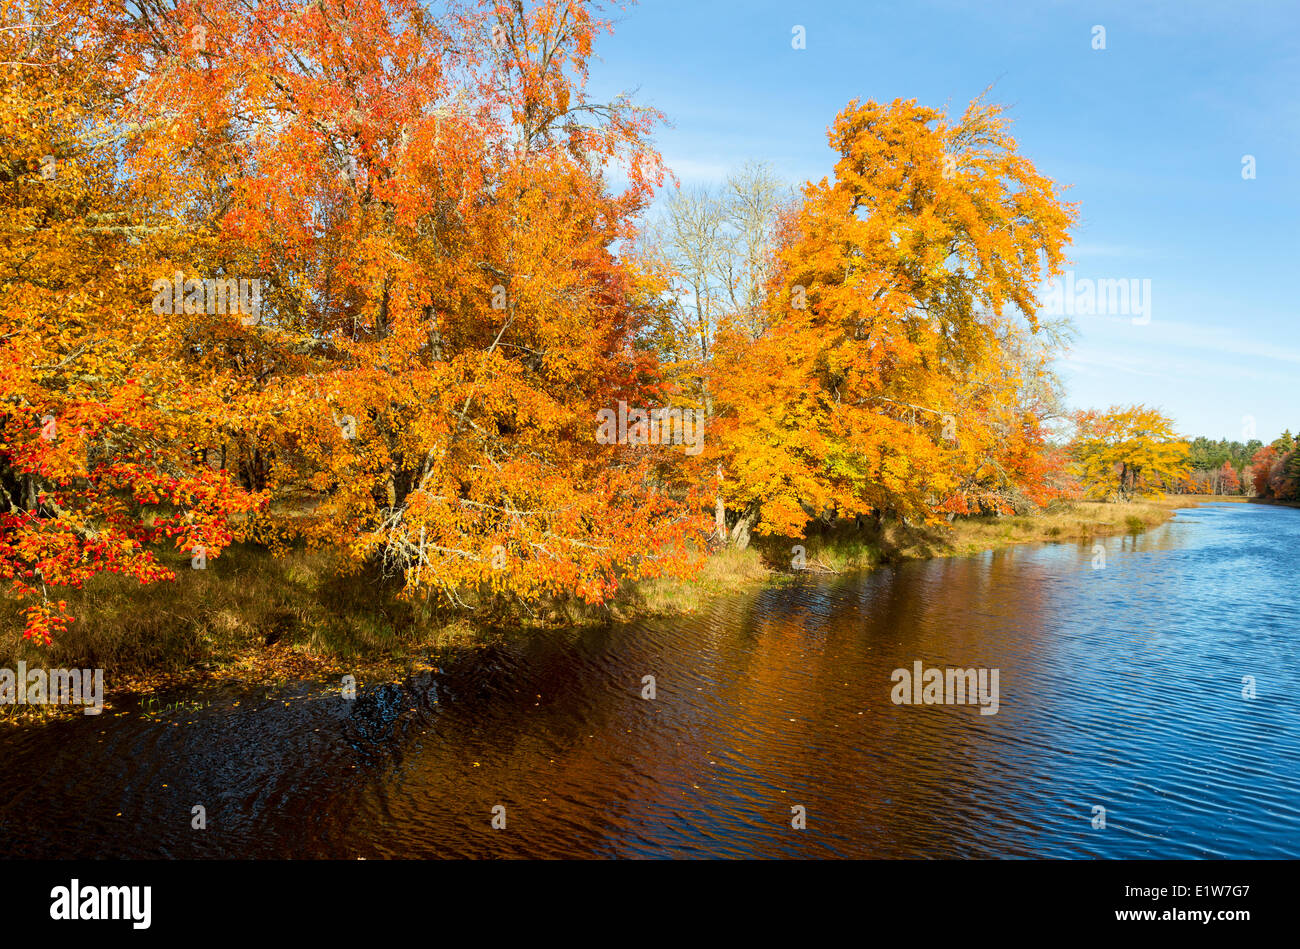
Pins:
x: 1127, y: 452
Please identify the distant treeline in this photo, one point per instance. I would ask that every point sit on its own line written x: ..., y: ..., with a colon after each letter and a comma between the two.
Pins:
x: 1251, y: 468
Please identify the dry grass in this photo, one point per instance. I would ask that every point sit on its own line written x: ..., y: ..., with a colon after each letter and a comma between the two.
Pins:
x: 846, y: 547
x: 1078, y: 520
x: 248, y: 610
x: 256, y: 616
x: 722, y: 572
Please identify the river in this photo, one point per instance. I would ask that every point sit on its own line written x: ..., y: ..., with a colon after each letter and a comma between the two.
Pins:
x: 1119, y: 687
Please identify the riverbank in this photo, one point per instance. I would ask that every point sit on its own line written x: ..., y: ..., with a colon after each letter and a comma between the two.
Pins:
x: 1272, y: 502
x: 256, y: 617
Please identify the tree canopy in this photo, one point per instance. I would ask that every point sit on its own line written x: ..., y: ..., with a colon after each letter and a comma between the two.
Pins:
x: 389, y: 280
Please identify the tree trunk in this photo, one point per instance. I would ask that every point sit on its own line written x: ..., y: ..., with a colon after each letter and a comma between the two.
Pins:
x: 740, y: 532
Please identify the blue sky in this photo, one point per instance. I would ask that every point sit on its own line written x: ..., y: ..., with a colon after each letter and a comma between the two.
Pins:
x: 1150, y: 134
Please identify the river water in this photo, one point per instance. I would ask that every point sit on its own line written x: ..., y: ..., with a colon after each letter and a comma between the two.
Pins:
x: 1119, y: 687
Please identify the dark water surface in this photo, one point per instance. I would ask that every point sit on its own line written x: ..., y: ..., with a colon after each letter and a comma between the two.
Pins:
x: 1119, y: 687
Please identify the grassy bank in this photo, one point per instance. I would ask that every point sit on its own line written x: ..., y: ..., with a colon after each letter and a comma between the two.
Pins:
x: 257, y: 617
x: 1080, y: 520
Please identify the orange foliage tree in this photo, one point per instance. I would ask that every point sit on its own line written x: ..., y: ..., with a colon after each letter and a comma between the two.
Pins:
x: 885, y: 380
x: 438, y: 309
x: 447, y: 312
x: 98, y: 409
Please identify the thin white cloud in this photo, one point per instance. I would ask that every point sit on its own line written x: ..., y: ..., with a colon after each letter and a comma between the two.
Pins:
x: 1088, y: 359
x: 1163, y: 335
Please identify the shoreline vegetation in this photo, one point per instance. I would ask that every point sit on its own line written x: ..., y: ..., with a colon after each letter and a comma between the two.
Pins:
x: 259, y: 618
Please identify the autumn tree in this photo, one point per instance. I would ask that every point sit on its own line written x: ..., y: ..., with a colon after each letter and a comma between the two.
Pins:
x: 1126, y: 452
x: 98, y: 414
x: 1274, y: 471
x: 1229, y: 483
x: 422, y: 204
x: 881, y: 382
x: 428, y: 198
